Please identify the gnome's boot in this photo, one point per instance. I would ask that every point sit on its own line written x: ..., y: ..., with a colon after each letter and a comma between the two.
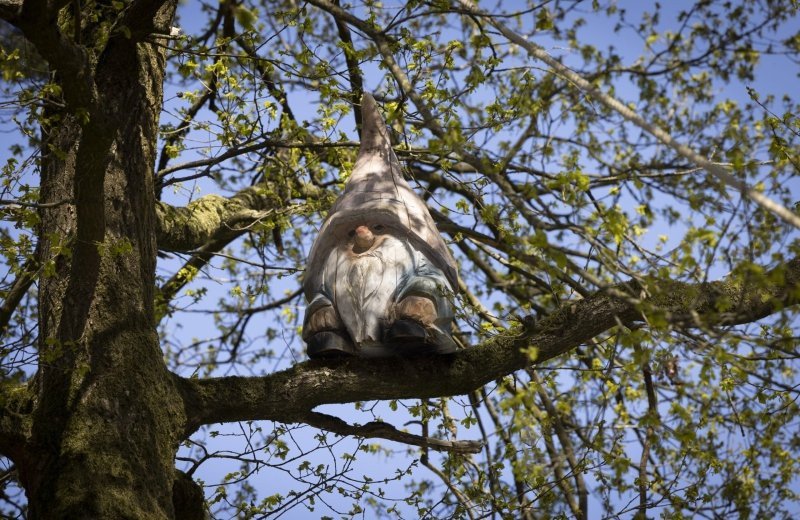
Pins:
x: 324, y: 332
x: 421, y: 314
x: 414, y: 314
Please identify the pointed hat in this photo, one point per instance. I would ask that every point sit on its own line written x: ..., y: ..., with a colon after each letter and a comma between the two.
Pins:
x: 376, y: 193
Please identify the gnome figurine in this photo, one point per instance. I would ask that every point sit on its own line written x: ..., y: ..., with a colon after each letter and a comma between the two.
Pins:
x: 380, y: 279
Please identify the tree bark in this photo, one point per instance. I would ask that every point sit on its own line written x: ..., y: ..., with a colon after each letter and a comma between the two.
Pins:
x: 106, y: 414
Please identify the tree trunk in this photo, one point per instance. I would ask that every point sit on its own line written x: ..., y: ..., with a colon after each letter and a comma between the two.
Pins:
x: 107, y: 417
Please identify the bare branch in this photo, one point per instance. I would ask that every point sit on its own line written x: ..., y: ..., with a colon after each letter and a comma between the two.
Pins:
x: 384, y: 430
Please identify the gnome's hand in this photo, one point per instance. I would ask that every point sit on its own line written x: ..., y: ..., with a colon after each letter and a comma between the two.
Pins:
x: 417, y: 308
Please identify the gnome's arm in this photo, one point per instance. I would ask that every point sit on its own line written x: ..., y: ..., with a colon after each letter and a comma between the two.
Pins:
x: 321, y: 314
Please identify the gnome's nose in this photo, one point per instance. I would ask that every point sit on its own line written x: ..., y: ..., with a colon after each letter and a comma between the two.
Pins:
x: 364, y: 239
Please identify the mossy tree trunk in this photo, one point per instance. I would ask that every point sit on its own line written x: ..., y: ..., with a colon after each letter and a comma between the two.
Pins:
x: 106, y: 418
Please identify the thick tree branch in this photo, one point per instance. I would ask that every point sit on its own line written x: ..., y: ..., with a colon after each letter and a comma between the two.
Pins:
x: 214, y: 218
x: 206, y: 226
x: 289, y: 395
x: 208, y: 218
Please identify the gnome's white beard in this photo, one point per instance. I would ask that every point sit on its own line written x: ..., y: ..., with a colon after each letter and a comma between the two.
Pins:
x: 363, y: 285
